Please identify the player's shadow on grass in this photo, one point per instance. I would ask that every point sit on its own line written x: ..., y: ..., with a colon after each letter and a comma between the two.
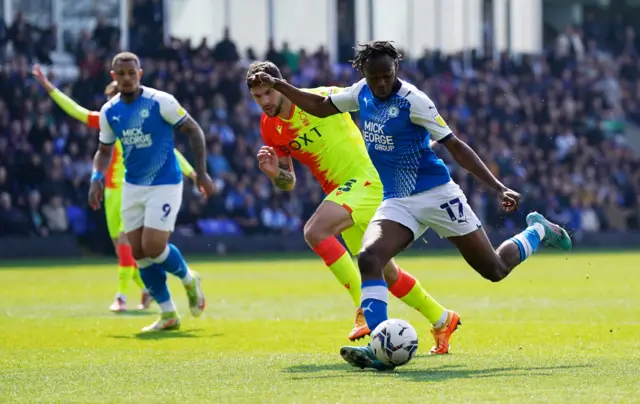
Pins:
x: 160, y: 335
x: 135, y: 313
x: 325, y: 367
x: 430, y: 374
x: 448, y: 372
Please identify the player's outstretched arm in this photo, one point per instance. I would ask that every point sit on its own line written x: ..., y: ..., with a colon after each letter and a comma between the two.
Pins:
x: 314, y: 104
x: 423, y: 113
x: 470, y: 161
x: 39, y: 75
x: 69, y: 106
x: 185, y: 167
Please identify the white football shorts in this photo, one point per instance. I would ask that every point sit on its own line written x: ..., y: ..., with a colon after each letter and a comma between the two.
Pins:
x: 152, y: 206
x: 443, y: 208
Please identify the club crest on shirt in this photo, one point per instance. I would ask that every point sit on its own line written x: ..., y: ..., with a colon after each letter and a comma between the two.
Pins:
x: 394, y: 111
x: 303, y: 117
x: 144, y: 113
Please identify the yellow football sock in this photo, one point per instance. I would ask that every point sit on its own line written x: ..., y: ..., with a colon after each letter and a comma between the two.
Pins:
x: 124, y: 276
x: 339, y: 261
x: 410, y: 291
x: 137, y: 279
x: 348, y: 275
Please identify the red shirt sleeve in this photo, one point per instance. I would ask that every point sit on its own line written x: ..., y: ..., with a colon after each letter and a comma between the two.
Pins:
x: 93, y: 121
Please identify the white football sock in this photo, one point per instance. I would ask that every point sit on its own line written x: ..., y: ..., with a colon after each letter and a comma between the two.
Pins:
x: 167, y: 306
x: 188, y: 278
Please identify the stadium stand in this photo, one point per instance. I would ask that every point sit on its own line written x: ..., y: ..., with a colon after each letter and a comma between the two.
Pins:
x: 552, y: 126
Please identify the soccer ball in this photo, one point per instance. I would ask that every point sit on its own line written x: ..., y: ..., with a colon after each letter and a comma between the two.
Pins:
x: 394, y: 342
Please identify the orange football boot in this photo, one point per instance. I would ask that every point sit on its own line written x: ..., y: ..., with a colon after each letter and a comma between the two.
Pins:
x: 360, y: 327
x: 442, y: 335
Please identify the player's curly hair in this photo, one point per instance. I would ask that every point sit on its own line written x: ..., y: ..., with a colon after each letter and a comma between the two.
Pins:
x: 263, y: 67
x: 368, y: 51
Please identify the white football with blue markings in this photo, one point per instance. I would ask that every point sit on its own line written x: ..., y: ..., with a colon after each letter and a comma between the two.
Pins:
x: 394, y: 342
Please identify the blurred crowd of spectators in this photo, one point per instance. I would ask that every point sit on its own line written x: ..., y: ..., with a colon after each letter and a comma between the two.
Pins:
x: 550, y: 126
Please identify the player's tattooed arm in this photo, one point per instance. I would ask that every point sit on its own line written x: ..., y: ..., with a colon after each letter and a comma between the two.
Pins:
x: 198, y: 144
x: 286, y: 178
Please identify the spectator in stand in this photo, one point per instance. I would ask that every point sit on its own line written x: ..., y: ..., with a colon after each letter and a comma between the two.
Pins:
x: 5, y: 184
x: 12, y: 220
x: 248, y: 216
x: 4, y: 37
x: 104, y: 35
x: 20, y: 36
x: 146, y: 28
x: 56, y: 215
x: 225, y: 51
x: 274, y: 218
x: 292, y: 59
x: 274, y: 56
x: 35, y: 215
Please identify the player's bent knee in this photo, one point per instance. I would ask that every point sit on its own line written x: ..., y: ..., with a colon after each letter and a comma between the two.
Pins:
x: 153, y: 248
x: 370, y: 263
x: 154, y: 242
x: 313, y: 235
x: 316, y: 231
x: 138, y: 254
x: 307, y: 232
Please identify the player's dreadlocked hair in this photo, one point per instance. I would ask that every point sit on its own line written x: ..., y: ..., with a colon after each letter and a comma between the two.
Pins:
x: 263, y: 67
x: 373, y: 49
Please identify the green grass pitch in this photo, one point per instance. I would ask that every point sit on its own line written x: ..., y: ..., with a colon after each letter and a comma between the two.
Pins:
x: 559, y: 329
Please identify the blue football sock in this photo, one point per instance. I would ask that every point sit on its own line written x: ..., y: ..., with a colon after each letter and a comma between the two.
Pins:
x: 172, y: 261
x: 529, y: 240
x: 155, y: 280
x: 375, y: 295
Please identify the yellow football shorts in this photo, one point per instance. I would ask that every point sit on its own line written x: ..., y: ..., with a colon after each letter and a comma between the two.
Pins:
x: 361, y: 196
x: 112, y: 205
